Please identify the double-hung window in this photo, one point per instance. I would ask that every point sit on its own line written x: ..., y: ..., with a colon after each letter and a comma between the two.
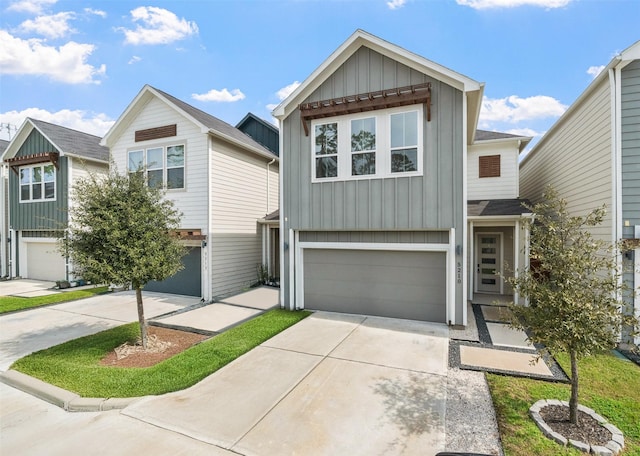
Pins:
x: 383, y: 143
x: 38, y: 183
x: 164, y: 166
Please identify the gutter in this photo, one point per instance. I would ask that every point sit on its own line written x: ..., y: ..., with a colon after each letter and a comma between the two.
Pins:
x: 268, y: 197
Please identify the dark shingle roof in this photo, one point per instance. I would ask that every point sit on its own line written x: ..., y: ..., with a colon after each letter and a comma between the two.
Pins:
x: 73, y: 141
x: 497, y: 207
x: 275, y: 215
x: 213, y: 123
x: 484, y: 135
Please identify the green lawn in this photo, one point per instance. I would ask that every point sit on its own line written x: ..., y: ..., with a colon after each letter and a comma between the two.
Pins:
x: 13, y: 303
x: 608, y: 385
x: 75, y: 366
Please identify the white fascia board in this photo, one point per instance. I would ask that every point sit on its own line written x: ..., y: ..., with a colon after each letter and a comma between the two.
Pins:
x: 133, y: 105
x: 247, y: 147
x: 23, y: 132
x: 584, y: 96
x: 82, y: 158
x: 517, y: 140
x: 349, y: 47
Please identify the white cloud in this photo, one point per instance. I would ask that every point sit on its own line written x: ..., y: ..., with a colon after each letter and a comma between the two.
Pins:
x: 96, y: 12
x: 594, y: 71
x: 395, y: 4
x: 134, y: 59
x: 95, y: 124
x: 219, y: 95
x: 287, y: 90
x: 30, y: 6
x: 514, y: 109
x: 487, y: 4
x: 54, y: 26
x: 525, y: 132
x: 67, y: 63
x: 157, y: 26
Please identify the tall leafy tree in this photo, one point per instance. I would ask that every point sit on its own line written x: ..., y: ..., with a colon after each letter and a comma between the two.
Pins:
x: 574, y: 291
x: 121, y: 231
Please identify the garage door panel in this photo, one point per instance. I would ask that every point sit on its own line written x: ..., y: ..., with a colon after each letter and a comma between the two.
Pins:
x: 44, y: 262
x: 404, y: 284
x: 186, y: 281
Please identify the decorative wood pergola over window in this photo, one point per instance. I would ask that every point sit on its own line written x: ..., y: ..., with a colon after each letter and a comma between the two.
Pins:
x: 381, y: 99
x: 32, y: 159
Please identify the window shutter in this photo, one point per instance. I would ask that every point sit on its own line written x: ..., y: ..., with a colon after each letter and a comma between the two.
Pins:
x: 490, y: 166
x: 156, y: 133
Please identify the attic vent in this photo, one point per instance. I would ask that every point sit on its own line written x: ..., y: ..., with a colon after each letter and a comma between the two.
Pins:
x: 490, y: 166
x: 156, y: 133
x: 389, y: 98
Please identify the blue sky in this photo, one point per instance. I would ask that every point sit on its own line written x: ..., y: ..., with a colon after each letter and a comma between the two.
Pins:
x: 80, y: 63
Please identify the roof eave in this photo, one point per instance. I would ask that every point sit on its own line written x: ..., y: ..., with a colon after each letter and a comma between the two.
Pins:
x: 234, y: 141
x: 349, y: 47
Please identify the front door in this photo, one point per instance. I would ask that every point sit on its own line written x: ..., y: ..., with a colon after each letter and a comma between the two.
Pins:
x: 488, y: 262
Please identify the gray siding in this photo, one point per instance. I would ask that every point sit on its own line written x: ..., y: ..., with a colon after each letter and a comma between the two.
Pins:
x: 421, y: 237
x: 433, y: 201
x: 630, y: 125
x: 39, y: 215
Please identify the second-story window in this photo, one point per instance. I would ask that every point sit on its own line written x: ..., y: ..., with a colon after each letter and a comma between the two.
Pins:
x: 384, y: 143
x: 164, y: 165
x: 38, y: 183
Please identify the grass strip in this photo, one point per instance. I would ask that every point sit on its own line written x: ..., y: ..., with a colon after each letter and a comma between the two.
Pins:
x: 14, y: 303
x: 608, y: 385
x: 74, y: 365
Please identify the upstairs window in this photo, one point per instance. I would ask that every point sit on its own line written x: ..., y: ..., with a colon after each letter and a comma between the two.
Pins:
x: 164, y: 166
x: 362, y: 145
x: 38, y: 183
x: 326, y: 150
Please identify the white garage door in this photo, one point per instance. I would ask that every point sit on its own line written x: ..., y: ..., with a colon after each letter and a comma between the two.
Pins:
x: 44, y: 262
x: 409, y: 285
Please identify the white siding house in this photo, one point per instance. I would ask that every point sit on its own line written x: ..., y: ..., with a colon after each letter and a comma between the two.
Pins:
x: 591, y: 156
x: 219, y: 178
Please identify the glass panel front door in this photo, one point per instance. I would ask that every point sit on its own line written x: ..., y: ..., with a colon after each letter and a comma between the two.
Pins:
x: 488, y: 262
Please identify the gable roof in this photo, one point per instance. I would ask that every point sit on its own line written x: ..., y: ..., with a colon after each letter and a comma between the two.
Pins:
x: 67, y: 141
x: 360, y: 38
x: 206, y: 122
x: 621, y: 60
x: 252, y: 116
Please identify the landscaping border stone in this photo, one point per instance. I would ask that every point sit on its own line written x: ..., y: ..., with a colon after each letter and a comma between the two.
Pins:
x: 612, y: 448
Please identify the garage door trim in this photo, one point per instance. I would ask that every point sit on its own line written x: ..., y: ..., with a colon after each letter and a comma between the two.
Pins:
x: 448, y: 249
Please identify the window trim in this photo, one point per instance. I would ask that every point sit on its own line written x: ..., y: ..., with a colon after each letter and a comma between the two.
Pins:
x: 383, y: 144
x: 42, y: 199
x: 163, y: 166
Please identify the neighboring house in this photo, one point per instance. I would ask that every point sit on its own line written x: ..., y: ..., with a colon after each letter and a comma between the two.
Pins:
x: 221, y: 180
x: 43, y: 161
x: 388, y: 191
x: 591, y: 156
x: 261, y: 131
x: 4, y: 213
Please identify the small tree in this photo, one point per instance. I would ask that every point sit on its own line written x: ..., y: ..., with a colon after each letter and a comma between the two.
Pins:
x: 575, y: 289
x: 120, y: 232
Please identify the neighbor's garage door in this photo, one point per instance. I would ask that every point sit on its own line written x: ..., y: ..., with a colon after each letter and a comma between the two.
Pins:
x: 409, y: 285
x: 184, y: 282
x: 44, y: 262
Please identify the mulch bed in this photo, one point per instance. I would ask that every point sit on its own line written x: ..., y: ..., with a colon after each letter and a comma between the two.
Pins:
x: 587, y: 430
x: 177, y: 342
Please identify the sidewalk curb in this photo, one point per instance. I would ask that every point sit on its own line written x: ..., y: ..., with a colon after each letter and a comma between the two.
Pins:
x: 70, y: 402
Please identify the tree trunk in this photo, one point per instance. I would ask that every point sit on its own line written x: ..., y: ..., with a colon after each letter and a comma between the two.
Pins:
x: 573, y: 402
x: 141, y: 320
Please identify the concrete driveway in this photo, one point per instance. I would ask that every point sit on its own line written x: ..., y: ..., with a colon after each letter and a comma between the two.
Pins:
x: 22, y: 333
x: 332, y: 384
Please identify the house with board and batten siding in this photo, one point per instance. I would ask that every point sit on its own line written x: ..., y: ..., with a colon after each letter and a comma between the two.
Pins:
x: 392, y: 203
x: 43, y: 161
x: 220, y: 179
x: 591, y: 156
